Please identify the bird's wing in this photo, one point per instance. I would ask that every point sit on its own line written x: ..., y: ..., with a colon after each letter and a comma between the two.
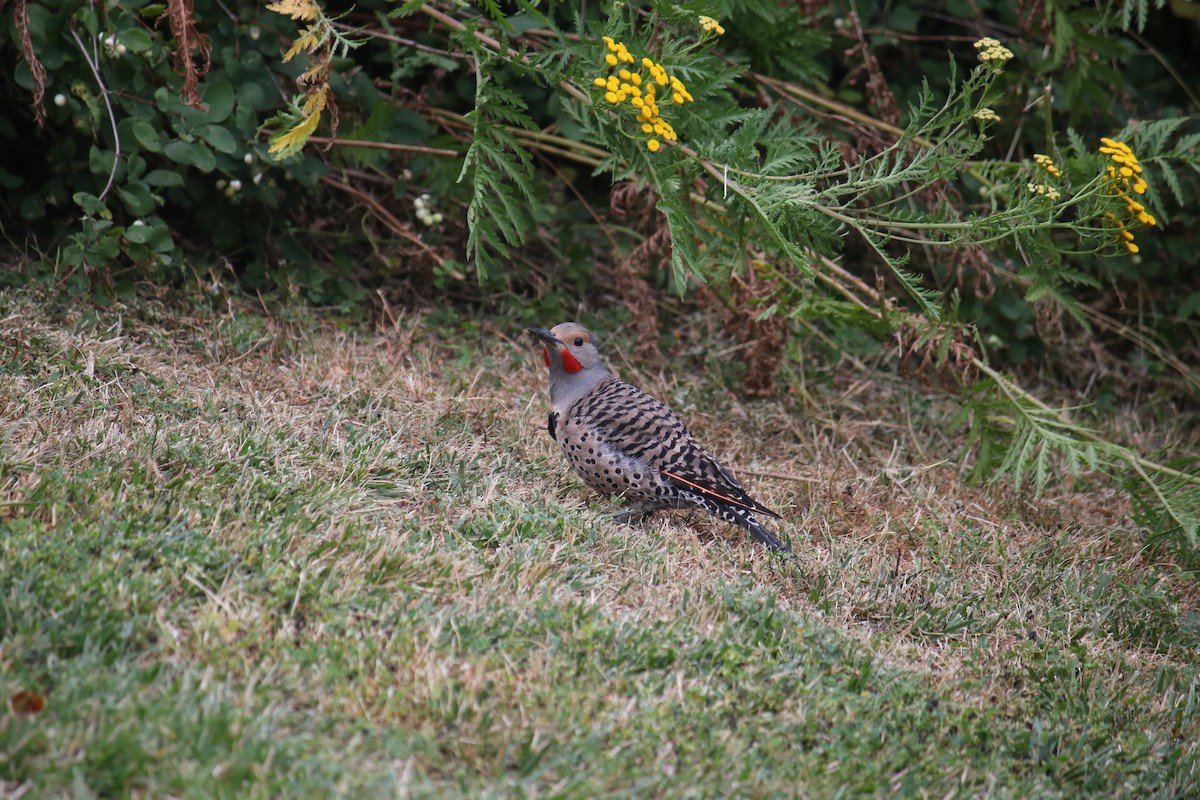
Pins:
x: 644, y: 428
x: 729, y: 491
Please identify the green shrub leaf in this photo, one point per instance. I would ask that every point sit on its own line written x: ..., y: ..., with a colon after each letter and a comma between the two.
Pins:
x: 220, y: 139
x: 137, y: 199
x: 163, y: 178
x: 92, y: 206
x: 139, y: 234
x: 147, y: 136
x: 219, y: 99
x: 137, y: 40
x: 192, y: 154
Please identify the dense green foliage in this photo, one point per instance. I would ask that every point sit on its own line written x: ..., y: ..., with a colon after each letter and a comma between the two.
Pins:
x: 125, y: 181
x: 198, y: 181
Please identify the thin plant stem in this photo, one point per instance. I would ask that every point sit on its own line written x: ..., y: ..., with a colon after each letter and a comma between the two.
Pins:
x: 112, y: 117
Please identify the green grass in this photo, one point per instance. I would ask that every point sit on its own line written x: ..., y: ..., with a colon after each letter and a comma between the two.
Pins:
x: 246, y: 556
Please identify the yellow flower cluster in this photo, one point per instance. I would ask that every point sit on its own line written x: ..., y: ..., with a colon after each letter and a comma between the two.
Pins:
x: 710, y: 24
x: 991, y: 51
x: 1044, y: 189
x: 641, y: 92
x: 1049, y: 192
x: 1047, y: 163
x: 618, y: 53
x: 986, y: 115
x: 1125, y: 176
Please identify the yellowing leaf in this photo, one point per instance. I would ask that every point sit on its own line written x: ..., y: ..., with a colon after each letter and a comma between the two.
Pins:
x: 305, y: 42
x: 315, y: 101
x: 296, y: 9
x: 314, y: 74
x: 287, y: 143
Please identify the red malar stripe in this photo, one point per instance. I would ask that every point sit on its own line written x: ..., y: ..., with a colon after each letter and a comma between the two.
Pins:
x: 570, y: 363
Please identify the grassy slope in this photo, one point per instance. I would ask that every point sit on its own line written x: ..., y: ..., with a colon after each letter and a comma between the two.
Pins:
x: 246, y: 557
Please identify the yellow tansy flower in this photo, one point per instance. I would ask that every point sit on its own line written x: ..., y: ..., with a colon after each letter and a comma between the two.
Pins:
x: 627, y: 86
x: 1124, y: 175
x: 1047, y: 163
x: 991, y: 51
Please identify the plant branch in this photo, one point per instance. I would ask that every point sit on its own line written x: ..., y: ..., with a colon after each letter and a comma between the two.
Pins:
x: 495, y: 45
x: 405, y: 148
x: 112, y: 117
x: 384, y: 216
x: 1018, y: 395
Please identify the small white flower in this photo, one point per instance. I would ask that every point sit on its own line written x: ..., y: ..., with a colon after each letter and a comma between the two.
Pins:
x: 122, y: 50
x: 136, y: 223
x: 248, y: 158
x: 236, y: 185
x: 257, y: 178
x: 60, y: 99
x: 255, y: 33
x: 423, y: 207
x: 222, y: 183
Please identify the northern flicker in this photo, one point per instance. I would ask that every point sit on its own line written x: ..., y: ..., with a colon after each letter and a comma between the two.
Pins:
x: 624, y: 442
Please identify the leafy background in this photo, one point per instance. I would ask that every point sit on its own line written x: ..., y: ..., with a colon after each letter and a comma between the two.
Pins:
x: 469, y: 166
x: 285, y: 226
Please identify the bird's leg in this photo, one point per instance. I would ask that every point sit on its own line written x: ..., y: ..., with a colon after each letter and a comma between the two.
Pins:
x: 635, y: 513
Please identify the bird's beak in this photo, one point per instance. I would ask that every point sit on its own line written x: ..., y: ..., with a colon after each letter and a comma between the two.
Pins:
x: 546, y: 336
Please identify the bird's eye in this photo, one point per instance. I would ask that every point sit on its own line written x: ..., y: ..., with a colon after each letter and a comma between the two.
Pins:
x: 579, y: 342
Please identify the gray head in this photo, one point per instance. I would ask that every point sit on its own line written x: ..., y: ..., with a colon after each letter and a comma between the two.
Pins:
x: 573, y: 360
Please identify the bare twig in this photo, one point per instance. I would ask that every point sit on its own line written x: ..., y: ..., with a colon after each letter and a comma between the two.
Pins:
x: 779, y: 476
x: 534, y: 140
x: 112, y: 117
x: 488, y: 41
x: 384, y: 216
x: 407, y: 148
x: 391, y: 37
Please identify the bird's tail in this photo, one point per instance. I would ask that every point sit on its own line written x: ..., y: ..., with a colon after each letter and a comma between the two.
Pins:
x: 739, y: 515
x: 761, y: 534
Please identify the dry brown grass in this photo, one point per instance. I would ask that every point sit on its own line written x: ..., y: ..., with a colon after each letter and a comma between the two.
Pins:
x: 394, y: 488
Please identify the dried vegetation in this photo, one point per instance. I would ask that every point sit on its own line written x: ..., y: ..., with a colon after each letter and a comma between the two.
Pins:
x: 259, y: 553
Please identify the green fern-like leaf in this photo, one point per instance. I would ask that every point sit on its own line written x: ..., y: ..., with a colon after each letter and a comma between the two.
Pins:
x: 1171, y: 178
x: 501, y: 173
x: 1168, y: 505
x: 684, y: 234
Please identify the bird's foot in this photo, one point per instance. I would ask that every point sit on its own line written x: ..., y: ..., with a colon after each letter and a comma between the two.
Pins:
x: 633, y: 515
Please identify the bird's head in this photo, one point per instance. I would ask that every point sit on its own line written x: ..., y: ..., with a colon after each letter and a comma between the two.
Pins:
x: 573, y: 360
